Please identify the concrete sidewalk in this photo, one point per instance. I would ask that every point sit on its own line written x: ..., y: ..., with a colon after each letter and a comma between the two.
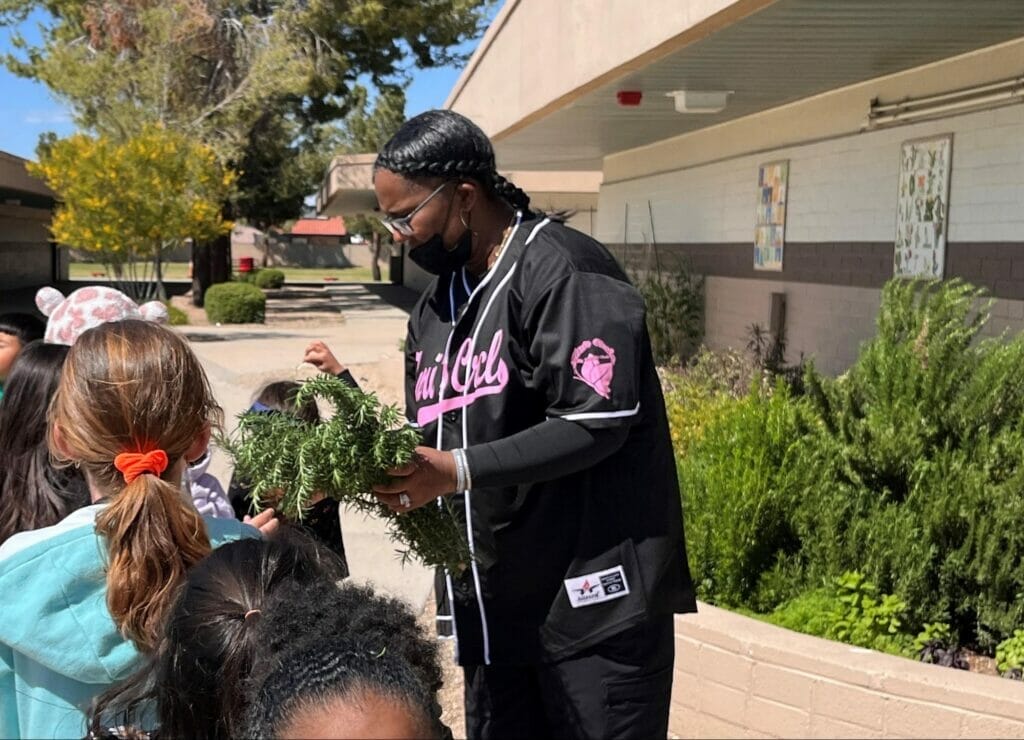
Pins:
x: 364, y: 325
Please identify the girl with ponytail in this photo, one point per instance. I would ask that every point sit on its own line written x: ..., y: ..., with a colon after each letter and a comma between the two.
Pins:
x: 86, y: 598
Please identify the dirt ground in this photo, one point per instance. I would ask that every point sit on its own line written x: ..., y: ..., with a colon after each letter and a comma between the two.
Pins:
x: 450, y: 696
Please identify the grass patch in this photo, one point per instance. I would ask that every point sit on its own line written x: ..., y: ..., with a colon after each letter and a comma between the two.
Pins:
x: 174, y: 271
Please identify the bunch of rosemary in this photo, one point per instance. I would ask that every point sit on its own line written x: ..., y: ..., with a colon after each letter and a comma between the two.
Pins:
x: 290, y: 462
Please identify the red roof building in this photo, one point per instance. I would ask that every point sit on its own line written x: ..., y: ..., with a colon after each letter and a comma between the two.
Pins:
x: 334, y: 226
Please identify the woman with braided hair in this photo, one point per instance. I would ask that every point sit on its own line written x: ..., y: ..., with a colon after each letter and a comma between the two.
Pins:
x: 529, y: 371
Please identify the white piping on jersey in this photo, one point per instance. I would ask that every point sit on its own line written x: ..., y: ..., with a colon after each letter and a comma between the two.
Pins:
x: 440, y: 430
x: 601, y: 414
x: 440, y: 424
x: 451, y: 603
x: 465, y: 408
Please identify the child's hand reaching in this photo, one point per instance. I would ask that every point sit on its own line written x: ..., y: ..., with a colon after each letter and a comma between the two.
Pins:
x: 265, y: 522
x: 320, y: 355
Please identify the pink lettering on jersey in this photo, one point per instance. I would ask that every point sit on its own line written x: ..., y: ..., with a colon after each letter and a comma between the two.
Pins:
x: 471, y: 376
x: 593, y: 362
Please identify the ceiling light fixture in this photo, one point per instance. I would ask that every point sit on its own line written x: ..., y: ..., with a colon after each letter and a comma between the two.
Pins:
x: 700, y: 101
x: 966, y: 100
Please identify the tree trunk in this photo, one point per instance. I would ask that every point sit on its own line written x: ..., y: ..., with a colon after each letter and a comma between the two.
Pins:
x: 158, y: 273
x: 376, y: 256
x: 220, y: 259
x: 200, y: 272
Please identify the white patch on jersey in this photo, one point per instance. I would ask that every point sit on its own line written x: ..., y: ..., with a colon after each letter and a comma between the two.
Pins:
x: 593, y: 588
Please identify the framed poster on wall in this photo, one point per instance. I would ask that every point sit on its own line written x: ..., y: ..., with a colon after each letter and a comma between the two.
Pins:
x: 922, y: 207
x: 770, y: 226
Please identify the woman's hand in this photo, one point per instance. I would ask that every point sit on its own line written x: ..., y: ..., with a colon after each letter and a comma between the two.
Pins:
x: 430, y: 474
x: 320, y: 355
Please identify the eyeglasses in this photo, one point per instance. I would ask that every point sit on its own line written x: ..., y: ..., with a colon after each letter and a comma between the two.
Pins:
x: 402, y: 225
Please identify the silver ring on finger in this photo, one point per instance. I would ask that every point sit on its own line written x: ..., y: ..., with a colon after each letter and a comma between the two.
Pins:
x: 404, y: 500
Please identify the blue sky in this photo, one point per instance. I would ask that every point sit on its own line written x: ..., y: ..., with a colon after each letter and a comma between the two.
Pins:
x: 27, y: 109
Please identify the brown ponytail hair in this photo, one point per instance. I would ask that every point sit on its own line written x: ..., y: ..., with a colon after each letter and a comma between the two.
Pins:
x: 134, y: 386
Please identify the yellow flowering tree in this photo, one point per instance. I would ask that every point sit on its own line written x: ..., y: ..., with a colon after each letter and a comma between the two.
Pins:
x: 130, y: 201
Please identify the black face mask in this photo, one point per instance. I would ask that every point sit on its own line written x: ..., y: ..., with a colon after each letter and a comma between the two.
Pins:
x: 433, y: 257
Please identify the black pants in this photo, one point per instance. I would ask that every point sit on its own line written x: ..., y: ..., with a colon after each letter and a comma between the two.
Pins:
x: 619, y: 688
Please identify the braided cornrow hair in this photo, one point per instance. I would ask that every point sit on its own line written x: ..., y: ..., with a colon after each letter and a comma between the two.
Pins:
x: 444, y: 144
x: 316, y: 670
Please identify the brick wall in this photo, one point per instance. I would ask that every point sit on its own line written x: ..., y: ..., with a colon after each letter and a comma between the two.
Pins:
x: 738, y: 677
x: 839, y: 231
x: 840, y: 190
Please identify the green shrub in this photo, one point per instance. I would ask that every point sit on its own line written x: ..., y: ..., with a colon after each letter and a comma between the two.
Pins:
x: 1010, y: 653
x: 907, y: 469
x: 850, y: 611
x: 235, y: 303
x: 737, y: 497
x: 918, y: 464
x: 269, y: 278
x: 675, y: 312
x: 175, y: 316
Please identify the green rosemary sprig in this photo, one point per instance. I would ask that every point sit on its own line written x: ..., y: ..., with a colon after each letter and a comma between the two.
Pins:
x: 288, y: 462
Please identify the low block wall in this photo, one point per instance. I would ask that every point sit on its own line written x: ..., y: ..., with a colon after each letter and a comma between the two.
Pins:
x: 738, y: 677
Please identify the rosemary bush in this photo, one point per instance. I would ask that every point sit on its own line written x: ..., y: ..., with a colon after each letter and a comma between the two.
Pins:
x: 290, y: 462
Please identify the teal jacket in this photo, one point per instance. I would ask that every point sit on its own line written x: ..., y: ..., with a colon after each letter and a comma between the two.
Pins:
x: 59, y: 646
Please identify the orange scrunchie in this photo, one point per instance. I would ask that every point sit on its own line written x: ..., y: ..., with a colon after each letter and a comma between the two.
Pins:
x: 134, y: 464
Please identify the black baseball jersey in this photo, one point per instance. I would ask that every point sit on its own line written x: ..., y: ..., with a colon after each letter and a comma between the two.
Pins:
x: 543, y: 371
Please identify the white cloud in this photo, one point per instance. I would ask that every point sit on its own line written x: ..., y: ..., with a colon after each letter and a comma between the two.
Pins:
x: 51, y: 116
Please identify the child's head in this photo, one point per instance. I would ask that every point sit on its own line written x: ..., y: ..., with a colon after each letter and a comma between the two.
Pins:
x: 16, y: 330
x: 133, y: 405
x: 280, y: 396
x: 343, y: 686
x: 197, y: 678
x: 343, y: 655
x: 33, y: 493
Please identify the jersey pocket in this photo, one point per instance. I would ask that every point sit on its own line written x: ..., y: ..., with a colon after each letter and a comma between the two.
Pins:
x: 599, y: 598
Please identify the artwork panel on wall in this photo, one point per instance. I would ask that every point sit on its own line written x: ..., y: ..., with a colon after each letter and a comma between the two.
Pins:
x: 770, y: 215
x: 922, y: 207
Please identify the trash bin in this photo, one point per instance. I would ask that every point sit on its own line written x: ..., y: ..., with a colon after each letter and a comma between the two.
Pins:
x: 395, y: 264
x: 245, y: 264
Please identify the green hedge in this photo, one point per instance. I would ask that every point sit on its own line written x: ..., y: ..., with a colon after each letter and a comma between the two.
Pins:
x: 175, y: 316
x: 908, y: 469
x: 269, y: 278
x: 235, y: 303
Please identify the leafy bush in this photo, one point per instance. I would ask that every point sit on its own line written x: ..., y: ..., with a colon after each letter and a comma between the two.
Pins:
x: 235, y: 303
x: 936, y: 645
x: 738, y: 495
x: 851, y: 611
x: 866, y: 618
x: 675, y: 312
x: 269, y: 278
x: 175, y: 316
x: 1010, y: 654
x: 907, y: 469
x: 918, y: 463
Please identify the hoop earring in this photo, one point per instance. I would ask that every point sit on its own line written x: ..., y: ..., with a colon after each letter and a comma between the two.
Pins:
x: 462, y: 218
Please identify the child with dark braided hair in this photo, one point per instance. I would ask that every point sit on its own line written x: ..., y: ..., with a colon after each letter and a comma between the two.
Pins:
x: 346, y: 664
x: 529, y: 371
x: 261, y: 630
